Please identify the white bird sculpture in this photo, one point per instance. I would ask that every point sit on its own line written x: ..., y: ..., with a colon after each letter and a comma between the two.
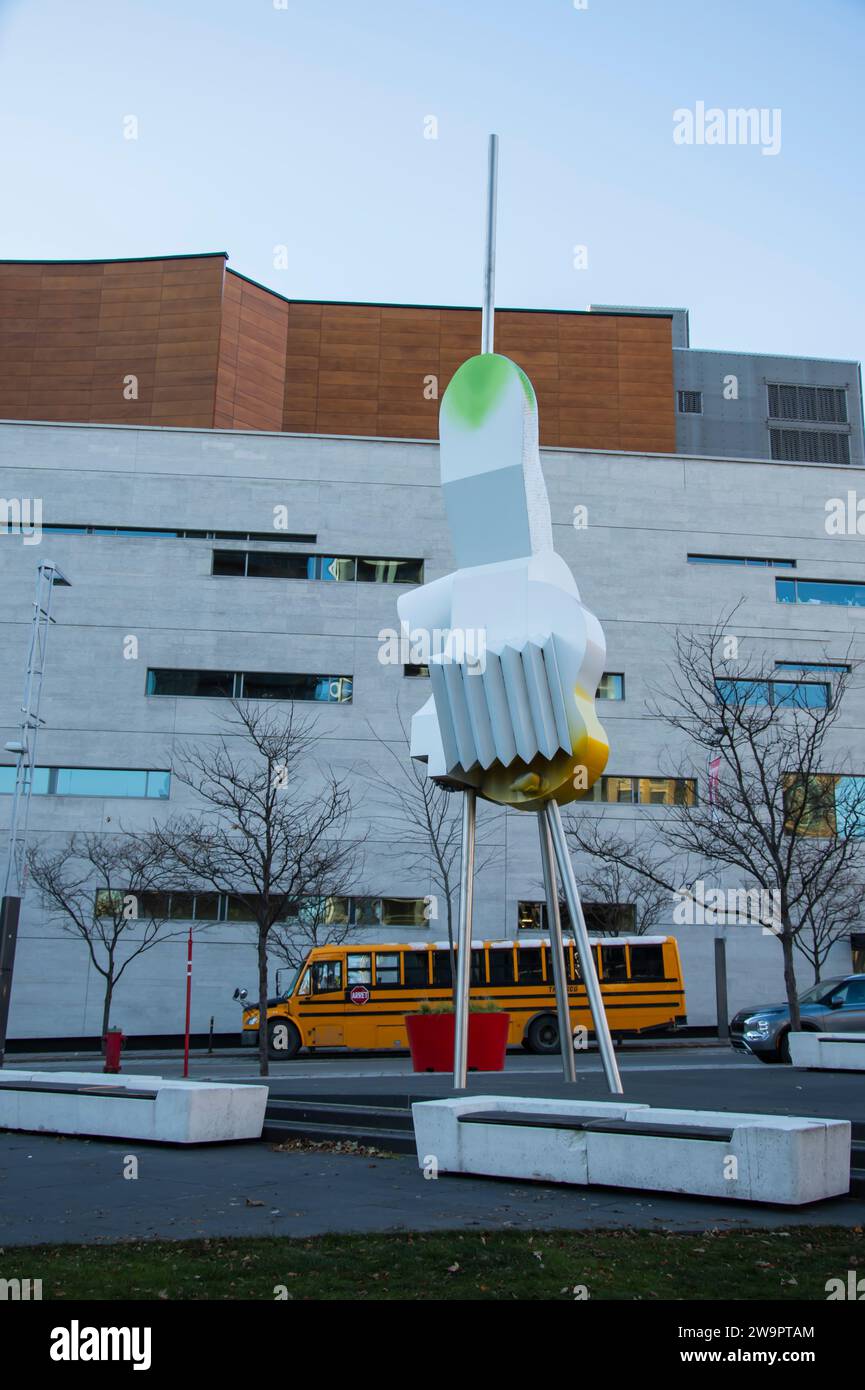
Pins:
x: 512, y: 712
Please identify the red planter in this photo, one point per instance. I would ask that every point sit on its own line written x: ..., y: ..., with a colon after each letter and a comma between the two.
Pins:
x: 431, y: 1039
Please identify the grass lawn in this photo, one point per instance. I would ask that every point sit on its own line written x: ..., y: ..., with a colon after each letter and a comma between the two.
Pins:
x: 755, y: 1264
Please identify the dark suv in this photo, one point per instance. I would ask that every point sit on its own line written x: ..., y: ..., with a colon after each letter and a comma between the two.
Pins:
x: 831, y: 1006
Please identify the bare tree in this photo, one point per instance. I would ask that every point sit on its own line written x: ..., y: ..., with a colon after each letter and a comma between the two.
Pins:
x: 426, y: 820
x: 314, y: 921
x: 775, y: 813
x: 610, y: 886
x: 104, y: 889
x: 273, y: 828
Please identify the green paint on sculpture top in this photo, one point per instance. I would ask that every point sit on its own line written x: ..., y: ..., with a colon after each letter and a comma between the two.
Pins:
x: 479, y: 385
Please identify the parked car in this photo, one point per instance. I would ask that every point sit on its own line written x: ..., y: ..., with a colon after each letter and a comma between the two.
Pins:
x: 830, y: 1006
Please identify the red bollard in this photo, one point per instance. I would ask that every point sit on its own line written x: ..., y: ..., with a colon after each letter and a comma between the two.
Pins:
x: 113, y: 1042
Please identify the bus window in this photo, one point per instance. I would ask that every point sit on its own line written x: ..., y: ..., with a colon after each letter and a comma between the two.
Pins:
x: 416, y: 969
x: 326, y: 976
x: 359, y: 968
x: 647, y: 963
x: 613, y: 963
x: 529, y: 965
x: 479, y: 968
x: 304, y: 986
x: 501, y: 966
x: 386, y: 970
x: 441, y: 969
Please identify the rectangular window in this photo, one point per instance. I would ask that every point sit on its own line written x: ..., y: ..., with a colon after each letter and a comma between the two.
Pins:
x: 390, y: 571
x: 607, y: 919
x: 810, y: 446
x: 690, y: 402
x: 93, y: 781
x: 647, y: 962
x: 838, y: 667
x: 205, y: 684
x: 530, y: 970
x: 501, y: 965
x: 644, y: 791
x: 359, y: 968
x: 292, y: 685
x: 612, y: 686
x: 823, y: 404
x: 386, y: 970
x: 415, y: 672
x: 441, y: 970
x: 827, y: 804
x: 614, y: 963
x: 755, y: 561
x: 273, y: 564
x: 250, y: 685
x: 327, y: 976
x: 404, y: 912
x: 415, y: 969
x: 154, y: 533
x: 779, y: 694
x: 834, y: 591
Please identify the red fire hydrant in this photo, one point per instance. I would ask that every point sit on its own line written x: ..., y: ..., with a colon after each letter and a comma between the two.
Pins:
x: 113, y: 1042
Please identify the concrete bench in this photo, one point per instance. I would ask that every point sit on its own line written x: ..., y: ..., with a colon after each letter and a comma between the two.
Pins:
x: 828, y: 1051
x: 709, y: 1153
x: 134, y: 1107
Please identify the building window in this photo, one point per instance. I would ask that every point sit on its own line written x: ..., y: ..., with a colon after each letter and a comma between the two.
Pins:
x: 779, y: 694
x: 92, y: 781
x: 644, y: 791
x: 265, y: 564
x: 754, y: 560
x: 835, y: 591
x: 833, y: 667
x: 810, y: 446
x: 822, y: 404
x: 612, y: 686
x: 250, y: 685
x: 602, y: 919
x: 825, y: 804
x: 415, y: 672
x: 690, y: 402
x: 159, y: 533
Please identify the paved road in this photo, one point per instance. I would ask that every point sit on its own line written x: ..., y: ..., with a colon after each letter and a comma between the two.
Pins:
x: 68, y: 1190
x: 59, y: 1190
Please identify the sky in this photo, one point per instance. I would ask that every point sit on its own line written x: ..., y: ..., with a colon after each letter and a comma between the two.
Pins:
x: 295, y: 135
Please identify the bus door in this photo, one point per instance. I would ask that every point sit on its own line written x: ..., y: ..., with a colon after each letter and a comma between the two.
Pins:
x: 322, y: 1009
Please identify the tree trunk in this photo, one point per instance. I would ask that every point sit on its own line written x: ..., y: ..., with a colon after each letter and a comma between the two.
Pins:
x: 263, y: 1058
x: 790, y: 977
x: 106, y: 1007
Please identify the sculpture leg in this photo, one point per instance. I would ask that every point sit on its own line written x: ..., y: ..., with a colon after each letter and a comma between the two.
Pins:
x: 557, y: 952
x: 464, y: 942
x: 553, y: 819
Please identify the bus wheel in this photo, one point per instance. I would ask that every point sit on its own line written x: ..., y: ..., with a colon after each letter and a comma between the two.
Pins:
x: 543, y: 1034
x: 283, y: 1039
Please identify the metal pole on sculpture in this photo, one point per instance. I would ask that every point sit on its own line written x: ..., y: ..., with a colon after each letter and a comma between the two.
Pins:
x: 553, y: 819
x: 467, y: 857
x: 488, y: 310
x: 557, y: 951
x: 464, y: 943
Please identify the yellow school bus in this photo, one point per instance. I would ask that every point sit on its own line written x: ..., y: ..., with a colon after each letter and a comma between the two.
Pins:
x: 358, y: 996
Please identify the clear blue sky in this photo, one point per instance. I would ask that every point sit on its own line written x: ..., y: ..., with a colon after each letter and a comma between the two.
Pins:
x: 303, y: 127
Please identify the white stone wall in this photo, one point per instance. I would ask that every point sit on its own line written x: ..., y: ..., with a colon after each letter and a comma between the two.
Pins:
x: 375, y: 497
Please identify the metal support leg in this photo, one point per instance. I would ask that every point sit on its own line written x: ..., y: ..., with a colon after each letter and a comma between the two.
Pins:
x: 557, y: 951
x: 464, y: 942
x: 553, y: 818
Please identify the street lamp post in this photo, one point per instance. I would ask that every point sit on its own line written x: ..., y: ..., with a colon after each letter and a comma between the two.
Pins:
x: 48, y: 577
